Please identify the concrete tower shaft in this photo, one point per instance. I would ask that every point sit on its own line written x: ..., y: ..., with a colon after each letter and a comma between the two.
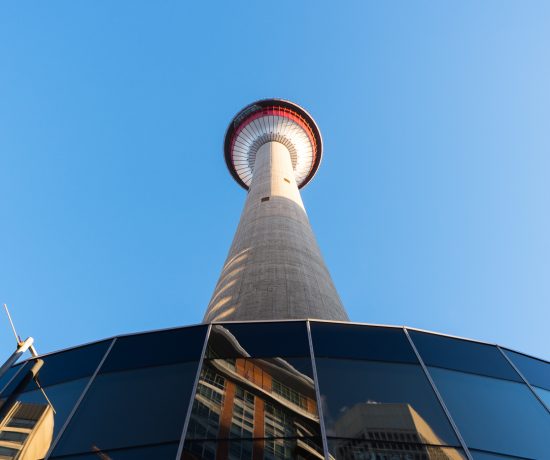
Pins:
x: 274, y: 269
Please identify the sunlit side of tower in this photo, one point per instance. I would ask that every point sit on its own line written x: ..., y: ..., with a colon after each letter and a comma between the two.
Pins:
x: 274, y: 269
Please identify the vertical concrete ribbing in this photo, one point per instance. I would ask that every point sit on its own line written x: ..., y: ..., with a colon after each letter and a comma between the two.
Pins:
x: 274, y: 269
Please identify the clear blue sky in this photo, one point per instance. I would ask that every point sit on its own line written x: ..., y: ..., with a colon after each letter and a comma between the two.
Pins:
x: 431, y: 206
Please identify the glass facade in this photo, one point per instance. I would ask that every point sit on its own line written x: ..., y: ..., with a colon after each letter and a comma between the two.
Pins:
x: 278, y: 390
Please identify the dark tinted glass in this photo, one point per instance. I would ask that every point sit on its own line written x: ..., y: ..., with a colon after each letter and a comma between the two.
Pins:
x: 5, y: 379
x: 332, y: 340
x: 255, y: 398
x: 156, y: 349
x: 131, y: 408
x: 495, y: 415
x: 258, y: 340
x: 162, y: 452
x: 61, y: 397
x: 478, y: 455
x: 536, y: 371
x: 249, y: 449
x: 463, y: 355
x: 37, y: 416
x: 361, y: 397
x: 393, y: 444
x: 22, y: 379
x: 72, y: 364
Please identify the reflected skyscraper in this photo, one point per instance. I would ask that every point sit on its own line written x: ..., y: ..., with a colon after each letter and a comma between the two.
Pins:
x: 393, y: 430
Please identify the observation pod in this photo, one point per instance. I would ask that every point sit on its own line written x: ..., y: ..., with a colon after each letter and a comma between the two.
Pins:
x: 274, y: 269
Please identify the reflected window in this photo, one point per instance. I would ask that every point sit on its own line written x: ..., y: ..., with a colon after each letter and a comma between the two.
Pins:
x: 242, y: 422
x: 352, y: 341
x: 254, y: 398
x: 13, y: 436
x: 7, y: 453
x: 247, y: 449
x: 381, y: 402
x: 288, y: 393
x: 353, y: 449
x: 496, y: 415
x: 463, y: 355
x: 536, y: 371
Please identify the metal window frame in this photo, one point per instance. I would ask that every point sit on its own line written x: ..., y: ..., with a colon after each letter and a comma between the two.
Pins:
x: 317, y: 393
x: 308, y: 321
x: 193, y: 393
x: 439, y: 397
x: 390, y: 326
x: 524, y: 379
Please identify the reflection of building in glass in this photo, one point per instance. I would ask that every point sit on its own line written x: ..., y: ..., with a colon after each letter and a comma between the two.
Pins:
x: 267, y: 401
x: 26, y: 431
x: 391, y: 430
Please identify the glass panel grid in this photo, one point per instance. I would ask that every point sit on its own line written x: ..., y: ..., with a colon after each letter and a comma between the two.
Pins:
x: 462, y: 355
x: 495, y: 415
x: 536, y: 371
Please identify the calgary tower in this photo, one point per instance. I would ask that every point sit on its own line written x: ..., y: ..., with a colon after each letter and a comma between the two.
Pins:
x: 274, y: 269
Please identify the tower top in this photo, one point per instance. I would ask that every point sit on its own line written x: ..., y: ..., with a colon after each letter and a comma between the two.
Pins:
x: 270, y: 120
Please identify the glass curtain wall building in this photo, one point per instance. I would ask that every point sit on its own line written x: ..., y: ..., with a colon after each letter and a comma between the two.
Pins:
x: 300, y: 389
x: 276, y: 370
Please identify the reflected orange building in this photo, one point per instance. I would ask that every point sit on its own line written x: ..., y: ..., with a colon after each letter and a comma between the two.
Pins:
x: 261, y: 400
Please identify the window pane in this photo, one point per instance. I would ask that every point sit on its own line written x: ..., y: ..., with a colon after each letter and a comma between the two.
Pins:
x: 255, y: 398
x: 361, y: 342
x: 131, y: 408
x: 22, y: 379
x: 62, y: 397
x: 13, y: 436
x: 72, y: 364
x: 391, y: 447
x: 249, y: 449
x: 536, y: 371
x: 362, y: 398
x: 156, y: 349
x: 258, y: 340
x: 49, y: 370
x: 495, y: 415
x: 162, y: 452
x: 4, y: 380
x: 30, y: 417
x: 463, y: 355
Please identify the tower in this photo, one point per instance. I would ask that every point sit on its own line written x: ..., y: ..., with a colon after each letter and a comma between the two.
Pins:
x: 269, y: 374
x: 274, y: 269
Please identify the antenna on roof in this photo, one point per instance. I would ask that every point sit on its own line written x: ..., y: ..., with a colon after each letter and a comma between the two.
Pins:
x: 22, y: 347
